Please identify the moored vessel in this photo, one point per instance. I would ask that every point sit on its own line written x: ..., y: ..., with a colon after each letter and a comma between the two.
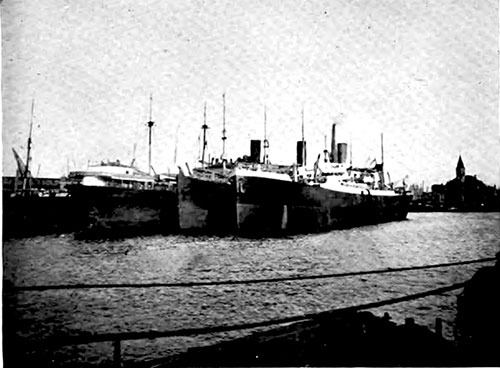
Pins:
x: 206, y: 200
x: 119, y: 199
x: 254, y: 197
x: 272, y: 202
x: 205, y: 193
x: 332, y: 194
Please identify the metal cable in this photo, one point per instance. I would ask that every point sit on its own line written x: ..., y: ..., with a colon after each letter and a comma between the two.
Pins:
x: 8, y: 288
x: 93, y: 338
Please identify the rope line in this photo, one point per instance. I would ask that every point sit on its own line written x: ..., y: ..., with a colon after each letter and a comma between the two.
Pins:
x: 237, y: 282
x: 93, y: 338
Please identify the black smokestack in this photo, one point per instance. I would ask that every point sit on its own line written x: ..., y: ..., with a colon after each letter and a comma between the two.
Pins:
x: 301, y: 153
x: 333, y: 152
x: 255, y: 150
x: 342, y: 153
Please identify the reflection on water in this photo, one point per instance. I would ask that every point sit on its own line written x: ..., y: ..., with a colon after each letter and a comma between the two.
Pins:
x: 426, y: 238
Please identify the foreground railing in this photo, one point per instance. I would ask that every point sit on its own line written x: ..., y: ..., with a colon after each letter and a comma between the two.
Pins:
x: 118, y: 338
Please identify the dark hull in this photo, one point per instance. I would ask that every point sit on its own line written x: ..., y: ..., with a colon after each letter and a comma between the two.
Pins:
x: 270, y: 205
x: 33, y: 215
x: 123, y: 212
x: 260, y: 206
x: 205, y: 205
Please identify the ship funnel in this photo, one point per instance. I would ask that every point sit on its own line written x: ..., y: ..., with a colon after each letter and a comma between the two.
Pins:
x: 342, y: 153
x: 301, y: 153
x: 333, y: 152
x: 255, y: 146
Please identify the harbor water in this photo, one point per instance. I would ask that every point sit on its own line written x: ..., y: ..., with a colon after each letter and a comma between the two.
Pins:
x: 425, y: 238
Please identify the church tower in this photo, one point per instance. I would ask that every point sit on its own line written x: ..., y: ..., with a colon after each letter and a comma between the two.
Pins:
x: 460, y: 170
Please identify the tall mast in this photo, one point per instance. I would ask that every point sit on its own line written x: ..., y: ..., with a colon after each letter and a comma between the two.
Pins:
x: 382, y: 146
x: 176, y: 142
x: 223, y: 156
x: 350, y: 150
x: 266, y: 142
x: 150, y: 127
x: 26, y: 174
x: 265, y: 123
x: 204, y: 127
x: 133, y: 154
x: 302, y: 123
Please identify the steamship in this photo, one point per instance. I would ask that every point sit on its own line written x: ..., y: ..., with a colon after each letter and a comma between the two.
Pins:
x: 251, y: 195
x: 254, y: 197
x: 205, y: 195
x: 332, y: 194
x: 208, y: 194
x: 206, y: 199
x: 117, y: 198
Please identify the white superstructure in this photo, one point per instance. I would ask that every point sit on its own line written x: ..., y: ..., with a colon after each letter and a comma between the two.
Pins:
x: 112, y: 174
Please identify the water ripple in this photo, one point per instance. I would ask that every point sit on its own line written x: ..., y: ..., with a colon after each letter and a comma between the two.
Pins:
x: 425, y: 238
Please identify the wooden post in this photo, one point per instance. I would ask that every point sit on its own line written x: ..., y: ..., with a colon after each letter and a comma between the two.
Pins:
x: 117, y: 358
x: 284, y: 218
x: 439, y: 327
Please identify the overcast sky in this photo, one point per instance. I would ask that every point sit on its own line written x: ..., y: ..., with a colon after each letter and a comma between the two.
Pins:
x: 423, y: 73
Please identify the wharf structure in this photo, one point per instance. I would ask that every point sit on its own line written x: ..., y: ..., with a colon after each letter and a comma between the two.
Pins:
x: 42, y: 207
x: 33, y: 206
x: 44, y: 186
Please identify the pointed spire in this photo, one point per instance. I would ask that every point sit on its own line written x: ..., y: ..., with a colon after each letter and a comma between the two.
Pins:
x: 460, y: 170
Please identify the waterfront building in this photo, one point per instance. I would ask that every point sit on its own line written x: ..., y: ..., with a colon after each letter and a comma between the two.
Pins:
x: 467, y: 192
